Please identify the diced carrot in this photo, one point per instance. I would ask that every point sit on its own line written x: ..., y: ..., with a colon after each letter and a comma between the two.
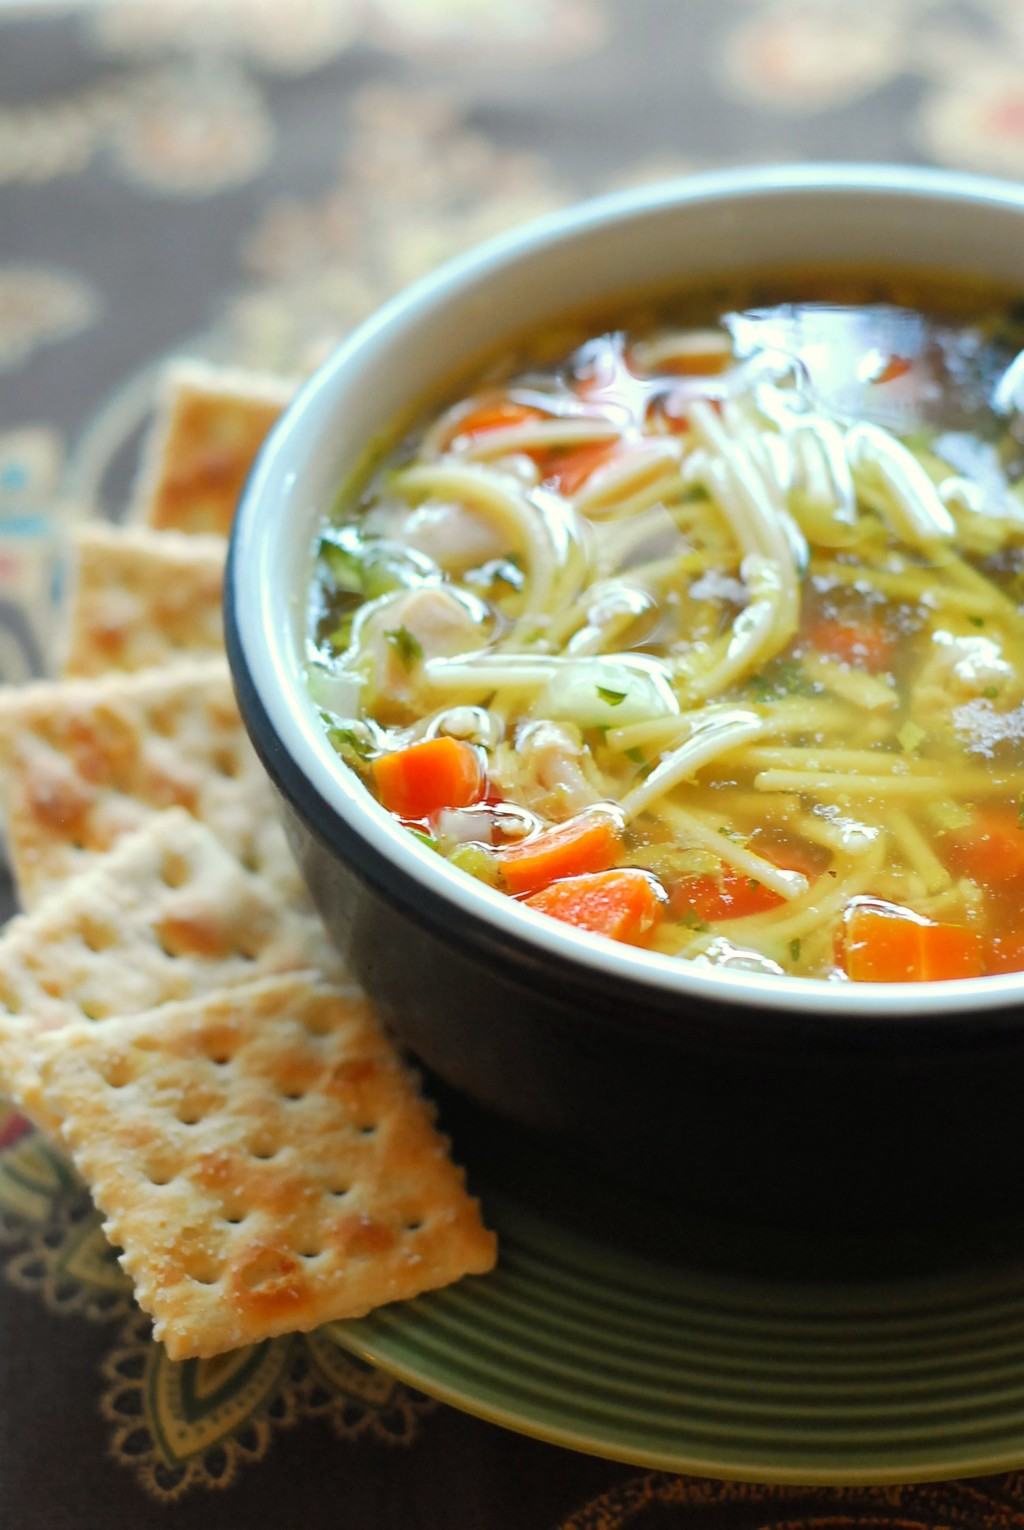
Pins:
x: 496, y: 416
x: 589, y: 842
x: 991, y: 851
x: 420, y: 780
x: 891, y: 368
x: 864, y: 644
x: 625, y: 904
x: 892, y: 945
x: 570, y: 470
x: 1006, y: 953
x: 731, y: 894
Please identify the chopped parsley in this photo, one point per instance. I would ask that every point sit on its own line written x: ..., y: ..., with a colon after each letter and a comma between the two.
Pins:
x: 354, y: 747
x: 794, y: 950
x: 976, y: 621
x: 613, y: 698
x: 784, y: 677
x: 990, y: 692
x: 637, y: 756
x: 344, y: 567
x: 406, y: 645
x: 694, y: 922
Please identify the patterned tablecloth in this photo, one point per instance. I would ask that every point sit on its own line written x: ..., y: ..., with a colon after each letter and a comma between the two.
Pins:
x: 248, y: 178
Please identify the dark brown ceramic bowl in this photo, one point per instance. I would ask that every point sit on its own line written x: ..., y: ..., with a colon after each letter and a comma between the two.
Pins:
x: 773, y: 1097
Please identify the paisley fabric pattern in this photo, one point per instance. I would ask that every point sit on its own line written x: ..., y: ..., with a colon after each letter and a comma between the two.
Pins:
x: 249, y: 179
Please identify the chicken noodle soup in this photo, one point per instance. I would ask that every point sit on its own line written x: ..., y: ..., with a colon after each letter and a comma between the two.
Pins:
x: 706, y: 633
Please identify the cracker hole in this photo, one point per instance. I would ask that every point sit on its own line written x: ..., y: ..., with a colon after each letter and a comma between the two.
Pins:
x: 367, y: 1130
x: 97, y: 935
x: 412, y: 1227
x: 119, y: 1073
x: 202, y: 1269
x: 293, y: 1094
x: 310, y: 1253
x: 226, y: 762
x: 339, y: 1191
x: 174, y: 869
x: 159, y: 1171
x: 189, y: 1116
x: 251, y: 859
x: 235, y: 1221
x: 92, y: 1009
x: 264, y: 1150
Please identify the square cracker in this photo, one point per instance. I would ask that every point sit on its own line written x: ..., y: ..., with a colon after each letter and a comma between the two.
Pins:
x: 264, y: 1162
x: 86, y: 761
x: 168, y: 914
x: 142, y: 598
x: 210, y: 425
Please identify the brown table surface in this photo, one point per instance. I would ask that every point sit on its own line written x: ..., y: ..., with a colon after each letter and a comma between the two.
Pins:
x: 248, y: 178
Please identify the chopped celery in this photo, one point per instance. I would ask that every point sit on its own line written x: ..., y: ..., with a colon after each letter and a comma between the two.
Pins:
x: 477, y: 861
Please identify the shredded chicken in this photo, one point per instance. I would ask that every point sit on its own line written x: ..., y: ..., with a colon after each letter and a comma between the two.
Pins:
x: 552, y: 779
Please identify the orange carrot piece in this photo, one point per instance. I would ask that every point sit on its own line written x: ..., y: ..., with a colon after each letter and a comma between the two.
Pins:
x: 729, y: 895
x: 495, y: 416
x: 626, y: 904
x: 864, y: 644
x: 991, y: 851
x: 894, y: 946
x: 732, y: 895
x: 420, y: 780
x: 570, y: 470
x: 589, y: 842
x: 891, y: 368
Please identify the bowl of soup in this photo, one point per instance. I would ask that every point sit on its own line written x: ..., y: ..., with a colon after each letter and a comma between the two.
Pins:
x: 631, y: 618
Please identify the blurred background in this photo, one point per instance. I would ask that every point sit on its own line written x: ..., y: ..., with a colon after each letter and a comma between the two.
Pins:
x: 248, y: 178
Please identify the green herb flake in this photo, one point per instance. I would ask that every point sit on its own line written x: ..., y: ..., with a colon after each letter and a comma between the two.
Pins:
x: 1020, y: 816
x: 794, y: 950
x: 353, y: 747
x: 753, y: 884
x: 693, y: 922
x: 976, y: 621
x: 990, y: 692
x: 784, y: 677
x: 344, y: 567
x: 340, y: 639
x: 406, y: 645
x: 613, y: 698
x: 424, y: 839
x: 637, y: 756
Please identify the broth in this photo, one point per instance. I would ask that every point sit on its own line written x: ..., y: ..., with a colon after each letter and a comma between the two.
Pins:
x: 704, y: 628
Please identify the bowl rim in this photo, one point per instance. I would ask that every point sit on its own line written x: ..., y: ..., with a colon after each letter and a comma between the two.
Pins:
x: 289, y: 736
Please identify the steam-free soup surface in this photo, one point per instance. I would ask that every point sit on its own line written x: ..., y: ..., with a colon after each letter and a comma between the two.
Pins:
x: 704, y: 631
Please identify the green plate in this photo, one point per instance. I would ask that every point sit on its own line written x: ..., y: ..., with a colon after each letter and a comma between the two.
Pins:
x: 584, y: 1341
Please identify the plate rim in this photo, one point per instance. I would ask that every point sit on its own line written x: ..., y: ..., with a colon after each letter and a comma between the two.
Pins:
x: 347, y: 1337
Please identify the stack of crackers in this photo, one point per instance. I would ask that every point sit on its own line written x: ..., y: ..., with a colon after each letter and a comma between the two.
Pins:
x: 170, y: 1007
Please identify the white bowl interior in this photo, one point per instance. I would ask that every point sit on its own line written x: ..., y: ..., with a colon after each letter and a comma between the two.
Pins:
x: 736, y: 221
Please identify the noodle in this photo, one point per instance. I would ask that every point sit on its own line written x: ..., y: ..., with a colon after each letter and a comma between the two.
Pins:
x: 677, y: 611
